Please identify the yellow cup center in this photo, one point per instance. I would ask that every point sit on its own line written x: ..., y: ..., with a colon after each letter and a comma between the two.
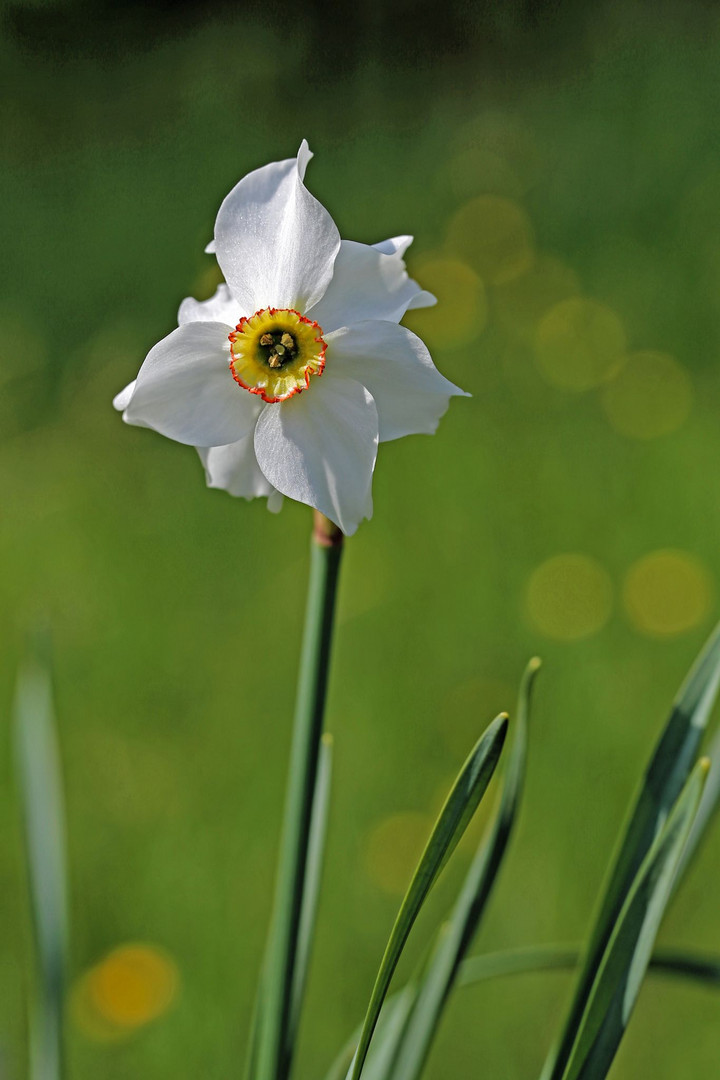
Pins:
x: 274, y: 352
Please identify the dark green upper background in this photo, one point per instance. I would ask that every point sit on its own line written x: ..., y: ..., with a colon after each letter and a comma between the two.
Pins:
x: 176, y: 610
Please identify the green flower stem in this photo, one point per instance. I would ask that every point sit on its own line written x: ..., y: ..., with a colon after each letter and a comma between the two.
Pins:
x: 274, y: 1050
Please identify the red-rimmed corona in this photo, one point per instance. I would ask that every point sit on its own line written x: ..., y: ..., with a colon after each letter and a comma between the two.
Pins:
x: 275, y: 351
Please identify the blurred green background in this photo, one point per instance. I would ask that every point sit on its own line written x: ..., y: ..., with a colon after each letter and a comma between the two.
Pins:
x: 559, y: 166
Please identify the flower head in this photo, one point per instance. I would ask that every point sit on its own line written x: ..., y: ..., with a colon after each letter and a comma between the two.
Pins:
x: 289, y: 376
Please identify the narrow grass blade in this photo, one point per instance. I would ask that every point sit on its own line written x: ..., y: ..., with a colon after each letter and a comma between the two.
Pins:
x: 459, y: 807
x: 700, y: 968
x: 708, y: 805
x: 457, y: 935
x: 39, y: 776
x: 313, y: 875
x: 674, y: 756
x: 392, y: 1019
x: 621, y: 972
x: 696, y: 967
x: 392, y: 1022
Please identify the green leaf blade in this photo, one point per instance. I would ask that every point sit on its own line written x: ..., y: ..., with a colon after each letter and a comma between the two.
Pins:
x: 457, y: 934
x: 616, y: 987
x: 698, y: 967
x: 39, y: 776
x: 667, y: 772
x: 459, y: 807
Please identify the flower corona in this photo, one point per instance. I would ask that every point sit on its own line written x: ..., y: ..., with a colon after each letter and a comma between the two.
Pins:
x: 274, y: 353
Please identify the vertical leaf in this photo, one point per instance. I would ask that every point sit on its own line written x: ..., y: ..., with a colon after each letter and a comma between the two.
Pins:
x: 664, y: 778
x: 615, y: 989
x: 40, y: 786
x: 459, y: 807
x: 457, y: 935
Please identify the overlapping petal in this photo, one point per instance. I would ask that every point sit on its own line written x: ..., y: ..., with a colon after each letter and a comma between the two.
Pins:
x: 320, y: 448
x: 185, y: 390
x: 409, y: 392
x: 369, y: 283
x: 234, y: 468
x: 275, y: 243
x: 221, y: 307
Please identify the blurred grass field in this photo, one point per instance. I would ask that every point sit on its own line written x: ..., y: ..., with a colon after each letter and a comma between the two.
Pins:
x: 564, y: 193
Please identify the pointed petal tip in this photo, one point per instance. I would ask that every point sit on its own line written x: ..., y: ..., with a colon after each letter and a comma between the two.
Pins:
x: 275, y: 502
x: 304, y: 155
x: 422, y: 299
x: 122, y: 400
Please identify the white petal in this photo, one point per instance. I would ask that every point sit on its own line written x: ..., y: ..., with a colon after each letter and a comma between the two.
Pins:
x: 366, y: 284
x: 275, y: 502
x: 209, y: 249
x: 185, y: 389
x: 122, y: 400
x: 221, y: 307
x: 319, y: 447
x: 422, y: 299
x: 275, y: 243
x: 410, y: 393
x: 234, y: 468
x: 396, y: 245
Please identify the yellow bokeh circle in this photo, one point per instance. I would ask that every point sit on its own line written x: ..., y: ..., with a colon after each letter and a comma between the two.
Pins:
x: 131, y: 986
x: 477, y: 170
x: 392, y: 850
x: 650, y: 396
x: 494, y: 236
x: 579, y: 343
x: 519, y: 305
x: 569, y: 597
x: 667, y: 592
x: 461, y: 312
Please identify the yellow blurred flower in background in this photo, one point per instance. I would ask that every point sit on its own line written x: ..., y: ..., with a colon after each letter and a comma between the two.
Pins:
x: 579, y: 344
x: 666, y: 593
x: 650, y: 396
x: 130, y: 987
x: 569, y: 597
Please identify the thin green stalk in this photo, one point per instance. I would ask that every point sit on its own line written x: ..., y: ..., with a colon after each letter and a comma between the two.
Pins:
x: 274, y: 1048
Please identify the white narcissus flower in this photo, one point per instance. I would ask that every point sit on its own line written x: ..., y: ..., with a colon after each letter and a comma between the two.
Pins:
x: 289, y: 376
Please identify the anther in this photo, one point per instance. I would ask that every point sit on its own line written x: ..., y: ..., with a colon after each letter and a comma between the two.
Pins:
x: 274, y: 361
x: 288, y: 341
x: 267, y: 339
